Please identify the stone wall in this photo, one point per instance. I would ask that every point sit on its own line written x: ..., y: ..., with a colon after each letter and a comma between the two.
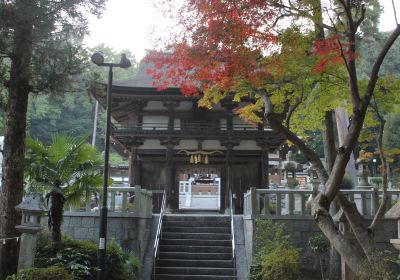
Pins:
x: 132, y: 233
x: 301, y: 229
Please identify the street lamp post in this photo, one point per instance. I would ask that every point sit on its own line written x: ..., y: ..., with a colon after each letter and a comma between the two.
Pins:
x: 98, y: 59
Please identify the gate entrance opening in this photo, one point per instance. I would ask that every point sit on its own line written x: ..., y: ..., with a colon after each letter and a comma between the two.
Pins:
x: 199, y: 188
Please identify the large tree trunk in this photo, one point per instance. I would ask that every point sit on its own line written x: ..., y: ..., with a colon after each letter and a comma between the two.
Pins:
x: 14, y: 138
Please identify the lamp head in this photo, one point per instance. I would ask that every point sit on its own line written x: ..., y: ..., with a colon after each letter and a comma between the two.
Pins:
x: 97, y: 58
x: 125, y: 62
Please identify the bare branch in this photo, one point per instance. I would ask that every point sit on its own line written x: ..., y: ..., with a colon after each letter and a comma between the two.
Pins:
x: 293, y: 107
x: 361, y: 18
x: 382, y: 157
x: 373, y: 78
x: 395, y: 13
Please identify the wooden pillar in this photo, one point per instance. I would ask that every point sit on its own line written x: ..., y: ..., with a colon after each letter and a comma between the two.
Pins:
x: 229, y: 173
x: 134, y: 171
x: 171, y: 106
x: 229, y: 144
x: 264, y: 164
x: 134, y: 167
x: 172, y: 189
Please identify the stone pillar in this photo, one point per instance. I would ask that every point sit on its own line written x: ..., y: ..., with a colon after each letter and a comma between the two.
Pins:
x: 172, y: 190
x: 394, y: 214
x: 32, y: 208
x: 344, y: 228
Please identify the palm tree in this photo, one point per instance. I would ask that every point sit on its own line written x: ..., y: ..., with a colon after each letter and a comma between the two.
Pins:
x: 67, y: 171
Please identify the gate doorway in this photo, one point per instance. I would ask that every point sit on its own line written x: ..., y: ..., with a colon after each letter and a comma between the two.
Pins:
x: 199, y: 187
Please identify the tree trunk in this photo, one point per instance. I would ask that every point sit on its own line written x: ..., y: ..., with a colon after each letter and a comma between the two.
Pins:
x: 57, y: 201
x: 329, y: 141
x: 14, y: 138
x: 330, y: 156
x: 351, y: 253
x: 342, y: 123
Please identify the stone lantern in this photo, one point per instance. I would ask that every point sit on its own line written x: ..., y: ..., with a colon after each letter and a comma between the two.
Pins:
x: 344, y: 228
x: 314, y: 179
x: 394, y: 214
x: 363, y: 173
x: 289, y: 168
x: 32, y: 208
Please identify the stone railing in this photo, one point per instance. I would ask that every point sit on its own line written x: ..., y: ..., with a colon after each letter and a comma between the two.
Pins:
x: 125, y: 201
x: 292, y: 203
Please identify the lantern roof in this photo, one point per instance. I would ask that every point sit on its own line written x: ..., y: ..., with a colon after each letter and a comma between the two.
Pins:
x: 394, y: 212
x: 33, y: 203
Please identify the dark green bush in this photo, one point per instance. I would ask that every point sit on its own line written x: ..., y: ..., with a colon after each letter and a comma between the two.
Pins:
x: 347, y: 183
x: 80, y: 259
x: 49, y: 273
x: 282, y: 263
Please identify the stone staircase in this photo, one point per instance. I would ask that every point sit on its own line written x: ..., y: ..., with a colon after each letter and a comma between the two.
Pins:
x: 195, y: 247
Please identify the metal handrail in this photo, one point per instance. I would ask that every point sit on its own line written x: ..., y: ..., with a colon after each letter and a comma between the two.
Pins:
x: 232, y: 233
x: 158, y: 234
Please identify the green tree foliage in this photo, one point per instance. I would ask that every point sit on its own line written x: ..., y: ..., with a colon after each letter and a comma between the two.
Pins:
x: 73, y: 112
x: 391, y: 141
x: 66, y: 171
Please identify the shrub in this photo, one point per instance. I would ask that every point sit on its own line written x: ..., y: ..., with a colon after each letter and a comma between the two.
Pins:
x: 347, y: 183
x: 268, y: 237
x: 49, y: 273
x: 80, y: 259
x: 281, y: 263
x: 319, y: 244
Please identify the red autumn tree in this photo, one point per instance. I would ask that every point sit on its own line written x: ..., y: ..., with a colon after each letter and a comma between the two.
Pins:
x: 276, y: 53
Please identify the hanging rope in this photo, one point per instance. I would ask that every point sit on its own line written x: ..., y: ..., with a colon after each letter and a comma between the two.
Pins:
x: 3, y: 240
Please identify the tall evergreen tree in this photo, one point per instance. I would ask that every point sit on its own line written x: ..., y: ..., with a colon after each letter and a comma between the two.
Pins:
x: 41, y: 41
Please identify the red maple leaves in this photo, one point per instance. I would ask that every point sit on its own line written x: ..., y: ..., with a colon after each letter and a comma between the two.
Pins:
x: 332, y: 51
x: 223, y: 42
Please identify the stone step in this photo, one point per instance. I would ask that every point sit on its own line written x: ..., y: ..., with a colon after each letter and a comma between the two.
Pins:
x: 194, y: 249
x: 195, y: 271
x: 206, y: 236
x: 195, y: 218
x: 192, y: 277
x: 195, y: 263
x: 196, y: 223
x: 196, y: 242
x: 198, y: 229
x: 195, y: 256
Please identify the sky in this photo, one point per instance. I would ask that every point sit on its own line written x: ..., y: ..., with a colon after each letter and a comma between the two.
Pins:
x: 129, y: 24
